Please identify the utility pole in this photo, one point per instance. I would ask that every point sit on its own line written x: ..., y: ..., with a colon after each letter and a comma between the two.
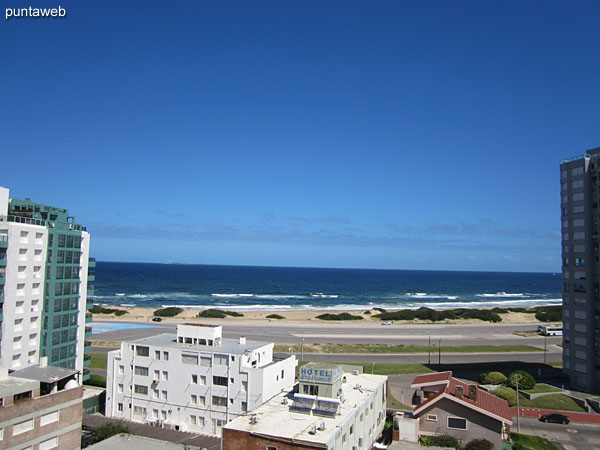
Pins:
x: 545, y: 346
x: 517, y: 377
x: 440, y: 352
x: 302, y: 348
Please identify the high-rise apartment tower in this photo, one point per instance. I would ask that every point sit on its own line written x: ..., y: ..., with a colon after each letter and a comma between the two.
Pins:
x: 44, y: 259
x: 580, y: 224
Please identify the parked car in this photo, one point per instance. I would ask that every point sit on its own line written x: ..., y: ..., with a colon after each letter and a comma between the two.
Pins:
x: 555, y: 418
x: 156, y: 319
x: 386, y: 323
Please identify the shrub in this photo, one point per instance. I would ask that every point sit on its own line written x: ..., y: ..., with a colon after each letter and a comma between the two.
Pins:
x: 526, y: 381
x: 381, y: 310
x: 341, y: 316
x: 275, y: 316
x: 109, y: 429
x: 97, y: 309
x: 367, y: 312
x: 549, y: 313
x: 479, y: 444
x: 168, y: 312
x: 442, y: 440
x: 218, y: 314
x: 492, y: 378
x: 507, y: 394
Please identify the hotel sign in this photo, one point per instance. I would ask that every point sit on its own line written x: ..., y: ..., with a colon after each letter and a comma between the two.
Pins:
x: 320, y: 375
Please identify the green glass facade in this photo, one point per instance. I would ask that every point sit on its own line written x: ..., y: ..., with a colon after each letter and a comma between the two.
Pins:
x: 60, y: 317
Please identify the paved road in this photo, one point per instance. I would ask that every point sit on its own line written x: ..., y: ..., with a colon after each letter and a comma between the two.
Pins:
x: 293, y: 333
x: 573, y: 436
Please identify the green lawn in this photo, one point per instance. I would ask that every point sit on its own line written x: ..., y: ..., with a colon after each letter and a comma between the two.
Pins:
x: 554, y: 401
x: 96, y: 380
x: 383, y: 348
x: 542, y: 388
x: 524, y: 441
x: 98, y: 361
x: 386, y: 369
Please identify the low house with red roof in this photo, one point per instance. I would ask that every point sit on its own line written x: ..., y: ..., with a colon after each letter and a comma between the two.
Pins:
x: 453, y: 407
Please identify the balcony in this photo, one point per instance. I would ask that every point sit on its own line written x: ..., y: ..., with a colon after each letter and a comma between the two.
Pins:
x: 2, y: 276
x: 91, y: 263
x: 87, y: 360
x: 86, y: 374
x: 3, y: 241
x: 87, y: 346
x: 88, y: 331
x: 88, y: 317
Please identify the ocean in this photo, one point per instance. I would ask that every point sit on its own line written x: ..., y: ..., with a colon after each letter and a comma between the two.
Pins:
x: 280, y: 288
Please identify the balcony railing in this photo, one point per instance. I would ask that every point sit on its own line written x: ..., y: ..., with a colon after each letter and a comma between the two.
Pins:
x: 19, y: 219
x: 87, y: 344
x: 3, y: 237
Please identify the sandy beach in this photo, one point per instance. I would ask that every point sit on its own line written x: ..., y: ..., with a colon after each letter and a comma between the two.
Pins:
x: 295, y: 316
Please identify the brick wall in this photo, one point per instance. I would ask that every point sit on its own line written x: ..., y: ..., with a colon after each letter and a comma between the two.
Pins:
x: 242, y: 440
x: 68, y: 416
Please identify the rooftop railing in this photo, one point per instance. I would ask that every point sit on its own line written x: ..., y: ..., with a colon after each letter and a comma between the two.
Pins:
x: 574, y: 158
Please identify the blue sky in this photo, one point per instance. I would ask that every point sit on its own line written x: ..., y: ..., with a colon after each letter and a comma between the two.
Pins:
x: 391, y: 134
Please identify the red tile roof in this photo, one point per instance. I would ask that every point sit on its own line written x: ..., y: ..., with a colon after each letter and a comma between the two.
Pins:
x: 433, y: 378
x: 484, y: 402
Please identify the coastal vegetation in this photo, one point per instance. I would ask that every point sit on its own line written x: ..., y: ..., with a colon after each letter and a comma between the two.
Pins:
x: 443, y: 440
x: 168, y: 312
x: 341, y: 316
x: 109, y: 429
x: 97, y: 309
x: 218, y: 314
x: 275, y: 316
x: 542, y: 313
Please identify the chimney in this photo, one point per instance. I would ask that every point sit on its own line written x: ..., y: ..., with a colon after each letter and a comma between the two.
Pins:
x: 458, y: 392
x: 242, y: 340
x: 43, y: 361
x: 473, y: 392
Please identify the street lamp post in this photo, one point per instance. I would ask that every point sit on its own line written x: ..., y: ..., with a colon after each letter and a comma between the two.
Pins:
x: 440, y: 352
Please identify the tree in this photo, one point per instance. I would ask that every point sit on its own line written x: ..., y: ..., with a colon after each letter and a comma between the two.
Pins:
x: 526, y: 381
x: 492, y: 378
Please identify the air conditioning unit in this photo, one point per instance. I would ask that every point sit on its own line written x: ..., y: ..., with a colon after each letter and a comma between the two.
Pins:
x: 313, y: 430
x: 321, y: 426
x: 284, y: 401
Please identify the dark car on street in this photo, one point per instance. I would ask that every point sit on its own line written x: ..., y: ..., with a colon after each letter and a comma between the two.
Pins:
x: 555, y: 418
x: 156, y: 319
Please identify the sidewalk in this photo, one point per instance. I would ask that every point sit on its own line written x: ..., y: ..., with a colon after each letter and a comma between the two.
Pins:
x: 574, y: 416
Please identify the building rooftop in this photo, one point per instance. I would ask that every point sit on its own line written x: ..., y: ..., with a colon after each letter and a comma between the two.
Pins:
x: 15, y: 385
x: 226, y: 345
x: 276, y: 414
x: 483, y: 401
x: 47, y: 374
x: 431, y: 378
x: 133, y: 442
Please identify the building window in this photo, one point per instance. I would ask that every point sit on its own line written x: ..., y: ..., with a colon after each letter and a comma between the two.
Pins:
x: 431, y: 417
x: 49, y: 443
x: 219, y: 381
x: 271, y: 447
x: 155, y: 393
x: 164, y: 395
x: 457, y: 423
x: 189, y: 358
x: 120, y: 407
x: 202, y: 380
x: 121, y: 370
x: 194, y: 399
x: 22, y: 427
x: 193, y: 420
x: 221, y: 359
x: 244, y: 407
x: 157, y: 354
x: 120, y: 388
x: 194, y: 379
x: 310, y: 389
x: 202, y: 400
x: 139, y: 389
x: 166, y: 356
x: 219, y: 401
x: 139, y: 410
x: 49, y: 418
x: 165, y: 376
x: 143, y: 371
x: 244, y: 385
x: 205, y: 361
x: 351, y: 429
x: 142, y: 351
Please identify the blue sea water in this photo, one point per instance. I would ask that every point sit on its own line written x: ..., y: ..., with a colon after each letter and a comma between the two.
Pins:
x: 276, y: 288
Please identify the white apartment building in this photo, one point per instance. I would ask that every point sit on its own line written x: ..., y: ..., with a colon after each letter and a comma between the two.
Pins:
x: 23, y: 246
x: 193, y: 380
x: 330, y: 410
